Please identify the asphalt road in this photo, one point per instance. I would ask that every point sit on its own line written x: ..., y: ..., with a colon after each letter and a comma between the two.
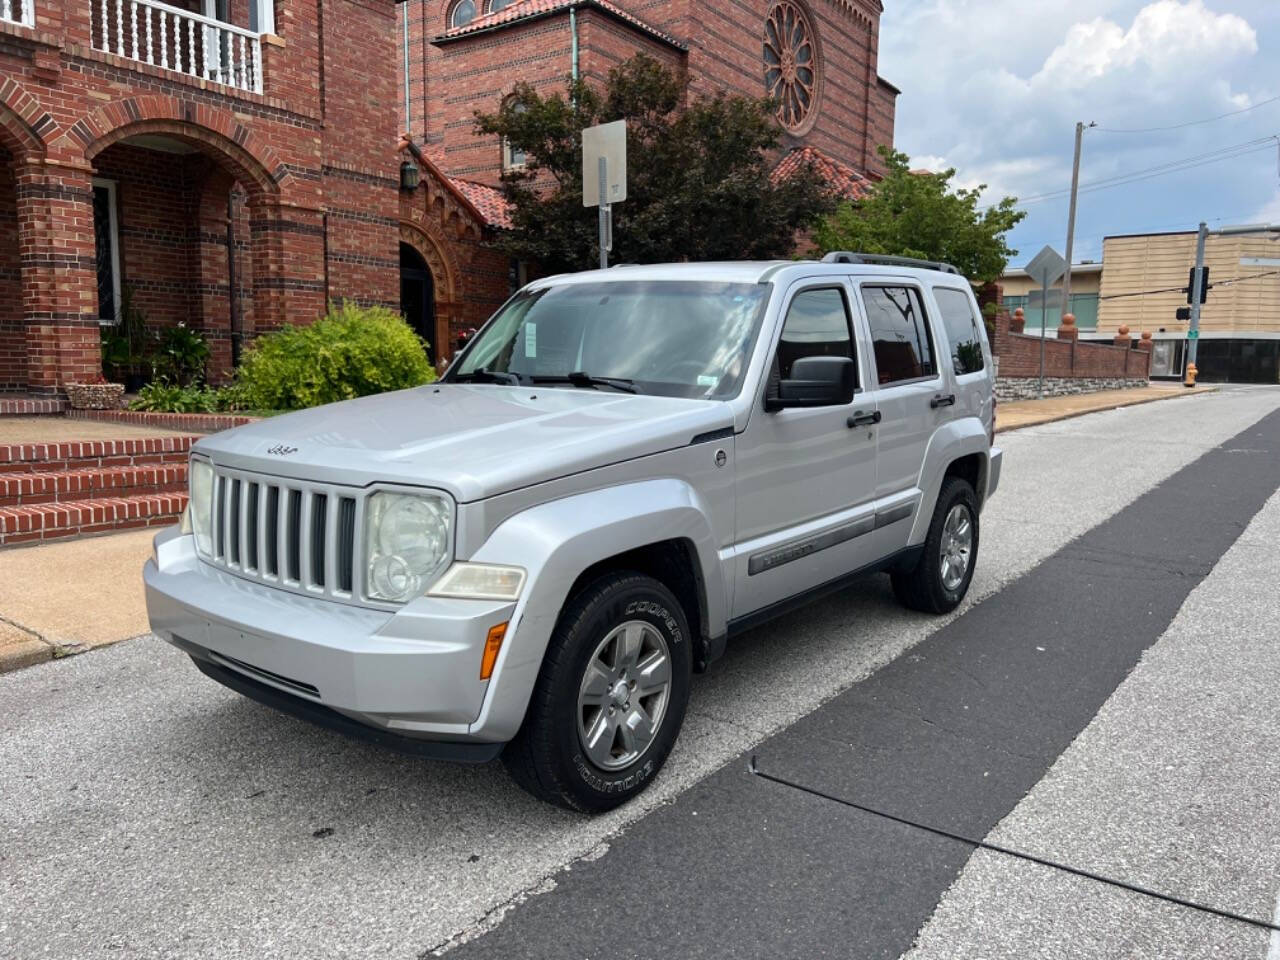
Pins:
x: 146, y: 812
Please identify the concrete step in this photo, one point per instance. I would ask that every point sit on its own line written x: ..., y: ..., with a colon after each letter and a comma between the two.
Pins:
x: 78, y: 518
x: 86, y: 454
x: 94, y: 483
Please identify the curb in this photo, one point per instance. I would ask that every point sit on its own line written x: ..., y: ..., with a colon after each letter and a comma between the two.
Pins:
x: 1072, y: 414
x: 25, y: 653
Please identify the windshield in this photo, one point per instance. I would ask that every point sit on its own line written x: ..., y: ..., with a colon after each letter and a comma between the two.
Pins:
x: 671, y: 338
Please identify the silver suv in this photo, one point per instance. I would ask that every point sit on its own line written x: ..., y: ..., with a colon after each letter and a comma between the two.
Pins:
x: 621, y: 471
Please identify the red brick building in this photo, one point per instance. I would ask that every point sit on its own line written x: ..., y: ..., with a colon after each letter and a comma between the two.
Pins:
x: 231, y: 164
x: 220, y: 164
x: 817, y: 57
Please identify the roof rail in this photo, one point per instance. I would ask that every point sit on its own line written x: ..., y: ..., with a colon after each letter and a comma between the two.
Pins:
x: 846, y: 256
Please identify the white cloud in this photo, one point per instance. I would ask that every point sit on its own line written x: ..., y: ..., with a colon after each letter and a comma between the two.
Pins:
x: 1164, y: 37
x: 994, y: 88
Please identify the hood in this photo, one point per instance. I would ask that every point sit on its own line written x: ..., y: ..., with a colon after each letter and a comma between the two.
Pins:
x: 473, y: 440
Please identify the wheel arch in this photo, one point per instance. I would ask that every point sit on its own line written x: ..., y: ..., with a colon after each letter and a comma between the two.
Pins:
x: 959, y: 448
x: 650, y: 526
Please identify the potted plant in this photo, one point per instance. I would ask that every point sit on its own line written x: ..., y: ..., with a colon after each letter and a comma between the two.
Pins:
x: 180, y: 356
x: 124, y: 345
x: 95, y: 393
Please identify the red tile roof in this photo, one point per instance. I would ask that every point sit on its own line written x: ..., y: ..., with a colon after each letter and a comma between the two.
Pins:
x: 526, y: 9
x: 850, y: 184
x: 488, y: 200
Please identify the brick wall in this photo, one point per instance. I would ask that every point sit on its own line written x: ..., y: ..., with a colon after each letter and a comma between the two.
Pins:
x: 312, y: 160
x: 13, y: 352
x: 1020, y: 357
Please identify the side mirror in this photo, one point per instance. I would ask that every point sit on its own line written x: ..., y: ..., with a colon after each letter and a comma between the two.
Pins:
x: 815, y: 382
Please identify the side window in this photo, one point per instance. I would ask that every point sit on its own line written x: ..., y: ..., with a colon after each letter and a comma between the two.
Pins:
x: 817, y: 325
x: 962, y: 329
x: 899, y: 334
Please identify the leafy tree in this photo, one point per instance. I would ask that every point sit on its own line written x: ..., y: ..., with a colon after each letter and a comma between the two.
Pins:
x: 698, y: 174
x: 921, y: 215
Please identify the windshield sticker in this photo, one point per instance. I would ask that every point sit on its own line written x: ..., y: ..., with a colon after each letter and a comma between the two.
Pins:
x: 531, y: 340
x: 709, y: 382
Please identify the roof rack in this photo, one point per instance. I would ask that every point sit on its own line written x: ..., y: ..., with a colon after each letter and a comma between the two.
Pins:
x: 846, y: 256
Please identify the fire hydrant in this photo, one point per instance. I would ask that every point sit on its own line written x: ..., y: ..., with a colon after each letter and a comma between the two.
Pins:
x: 1190, y: 380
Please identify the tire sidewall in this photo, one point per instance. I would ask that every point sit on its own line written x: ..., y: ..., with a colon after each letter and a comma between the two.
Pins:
x: 635, y: 598
x: 956, y: 492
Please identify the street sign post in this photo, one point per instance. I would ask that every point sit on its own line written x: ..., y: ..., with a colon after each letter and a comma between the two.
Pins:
x: 1047, y: 266
x: 604, y: 176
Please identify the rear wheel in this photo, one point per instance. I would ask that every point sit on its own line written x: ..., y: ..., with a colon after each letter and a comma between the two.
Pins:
x: 610, y: 697
x: 942, y: 575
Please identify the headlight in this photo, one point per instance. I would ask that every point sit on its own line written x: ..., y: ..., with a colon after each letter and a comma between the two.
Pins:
x: 480, y: 581
x: 406, y: 544
x: 201, y: 506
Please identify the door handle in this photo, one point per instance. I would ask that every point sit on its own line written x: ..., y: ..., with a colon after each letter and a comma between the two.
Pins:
x: 941, y: 401
x: 861, y: 419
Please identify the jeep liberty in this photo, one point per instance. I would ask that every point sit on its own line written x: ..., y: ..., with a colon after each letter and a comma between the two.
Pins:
x: 623, y: 469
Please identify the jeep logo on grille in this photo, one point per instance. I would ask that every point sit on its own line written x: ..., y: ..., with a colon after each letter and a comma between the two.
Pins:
x: 282, y: 450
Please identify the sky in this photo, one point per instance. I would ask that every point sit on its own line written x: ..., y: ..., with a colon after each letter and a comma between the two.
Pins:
x: 994, y: 88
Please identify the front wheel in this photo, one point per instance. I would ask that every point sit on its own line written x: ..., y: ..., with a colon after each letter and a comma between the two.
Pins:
x: 942, y: 575
x: 610, y: 697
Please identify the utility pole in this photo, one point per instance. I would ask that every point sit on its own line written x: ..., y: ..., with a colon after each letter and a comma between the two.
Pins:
x: 1197, y: 292
x: 1071, y: 217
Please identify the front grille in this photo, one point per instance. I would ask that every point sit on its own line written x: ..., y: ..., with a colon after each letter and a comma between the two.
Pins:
x: 297, y: 535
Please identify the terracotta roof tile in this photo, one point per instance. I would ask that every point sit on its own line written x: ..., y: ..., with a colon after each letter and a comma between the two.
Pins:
x: 850, y: 184
x: 488, y: 200
x: 523, y: 9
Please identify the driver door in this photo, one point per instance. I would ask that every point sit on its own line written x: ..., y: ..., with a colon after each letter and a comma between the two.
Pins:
x: 805, y: 476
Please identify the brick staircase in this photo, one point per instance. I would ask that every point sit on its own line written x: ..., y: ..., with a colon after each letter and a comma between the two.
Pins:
x: 51, y: 491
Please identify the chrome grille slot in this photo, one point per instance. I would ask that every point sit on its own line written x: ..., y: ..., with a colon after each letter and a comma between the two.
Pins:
x: 346, y: 542
x: 294, y: 535
x: 271, y: 532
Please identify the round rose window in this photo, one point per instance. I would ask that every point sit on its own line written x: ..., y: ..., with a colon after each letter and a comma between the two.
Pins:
x: 791, y: 68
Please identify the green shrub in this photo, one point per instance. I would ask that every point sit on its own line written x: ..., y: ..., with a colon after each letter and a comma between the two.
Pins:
x: 180, y: 355
x: 351, y: 352
x: 161, y: 397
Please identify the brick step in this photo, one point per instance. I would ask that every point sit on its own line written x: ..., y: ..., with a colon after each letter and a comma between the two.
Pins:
x: 24, y: 405
x: 85, y: 454
x: 93, y: 483
x: 78, y: 518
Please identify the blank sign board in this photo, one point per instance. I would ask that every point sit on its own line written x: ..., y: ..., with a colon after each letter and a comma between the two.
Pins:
x: 608, y: 140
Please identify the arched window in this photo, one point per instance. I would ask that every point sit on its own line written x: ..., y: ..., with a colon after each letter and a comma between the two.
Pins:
x: 496, y: 5
x: 513, y: 158
x: 463, y: 12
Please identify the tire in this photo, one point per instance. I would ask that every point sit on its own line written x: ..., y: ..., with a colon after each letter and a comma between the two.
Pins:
x: 925, y: 587
x: 575, y: 754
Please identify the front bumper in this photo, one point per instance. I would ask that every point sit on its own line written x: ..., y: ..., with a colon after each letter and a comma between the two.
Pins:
x: 413, y: 673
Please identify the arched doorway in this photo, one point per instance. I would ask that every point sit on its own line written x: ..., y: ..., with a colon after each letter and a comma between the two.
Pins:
x: 418, y: 297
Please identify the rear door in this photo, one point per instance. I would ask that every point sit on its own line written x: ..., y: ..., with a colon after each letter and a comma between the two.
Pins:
x: 910, y: 392
x: 969, y: 353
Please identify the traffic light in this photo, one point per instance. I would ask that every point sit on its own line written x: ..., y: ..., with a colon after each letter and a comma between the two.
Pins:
x: 1204, y: 284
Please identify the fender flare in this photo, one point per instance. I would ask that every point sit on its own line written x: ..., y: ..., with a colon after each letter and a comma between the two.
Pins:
x: 950, y: 442
x: 555, y: 542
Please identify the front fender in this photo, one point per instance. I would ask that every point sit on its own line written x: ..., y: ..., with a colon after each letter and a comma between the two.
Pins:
x: 958, y: 438
x: 555, y: 542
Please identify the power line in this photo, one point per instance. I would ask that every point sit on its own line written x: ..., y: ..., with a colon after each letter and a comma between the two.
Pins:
x: 1189, y: 123
x: 1149, y: 173
x: 1183, y: 288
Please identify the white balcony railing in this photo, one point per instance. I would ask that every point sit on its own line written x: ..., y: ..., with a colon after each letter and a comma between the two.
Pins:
x: 163, y: 36
x: 18, y: 11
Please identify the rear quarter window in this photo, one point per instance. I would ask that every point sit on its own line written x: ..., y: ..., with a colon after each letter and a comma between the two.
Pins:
x: 955, y: 309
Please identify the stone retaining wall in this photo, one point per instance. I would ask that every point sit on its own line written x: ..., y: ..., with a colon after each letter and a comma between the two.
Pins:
x: 1009, y: 389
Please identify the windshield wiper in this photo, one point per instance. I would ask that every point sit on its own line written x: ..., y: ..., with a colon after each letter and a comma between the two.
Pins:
x: 580, y: 379
x: 481, y: 375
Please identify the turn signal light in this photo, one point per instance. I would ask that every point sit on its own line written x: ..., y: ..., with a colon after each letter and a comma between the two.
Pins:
x: 492, y: 644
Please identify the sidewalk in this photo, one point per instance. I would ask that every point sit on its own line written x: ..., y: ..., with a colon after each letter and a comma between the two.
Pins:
x: 1030, y: 413
x: 68, y: 597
